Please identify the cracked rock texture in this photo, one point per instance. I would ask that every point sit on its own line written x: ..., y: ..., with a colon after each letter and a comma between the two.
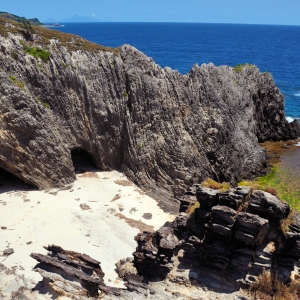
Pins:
x: 231, y: 239
x: 164, y: 130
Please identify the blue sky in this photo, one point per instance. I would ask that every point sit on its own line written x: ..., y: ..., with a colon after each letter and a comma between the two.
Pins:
x: 212, y: 11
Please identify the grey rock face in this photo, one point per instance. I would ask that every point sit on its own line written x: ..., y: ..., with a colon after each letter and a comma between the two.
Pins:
x: 251, y: 229
x: 267, y: 205
x: 222, y: 244
x: 165, y: 130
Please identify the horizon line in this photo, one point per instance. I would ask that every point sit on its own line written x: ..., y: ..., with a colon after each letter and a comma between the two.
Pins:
x: 170, y: 22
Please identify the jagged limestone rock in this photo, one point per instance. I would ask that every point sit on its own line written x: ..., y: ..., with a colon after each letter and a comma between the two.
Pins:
x: 165, y: 130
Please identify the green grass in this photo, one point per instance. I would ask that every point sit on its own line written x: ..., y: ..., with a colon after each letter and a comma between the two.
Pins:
x: 16, y: 82
x: 279, y: 183
x: 46, y: 104
x: 70, y: 41
x: 239, y: 68
x: 38, y: 53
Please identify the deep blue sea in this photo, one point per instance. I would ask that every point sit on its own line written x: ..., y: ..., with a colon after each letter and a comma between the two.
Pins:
x: 272, y: 48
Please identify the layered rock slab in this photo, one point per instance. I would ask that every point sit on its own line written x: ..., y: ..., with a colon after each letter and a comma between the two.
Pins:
x: 231, y: 239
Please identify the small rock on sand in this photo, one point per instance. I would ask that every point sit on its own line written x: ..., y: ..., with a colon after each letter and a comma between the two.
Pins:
x: 84, y: 206
x: 8, y: 251
x: 147, y: 216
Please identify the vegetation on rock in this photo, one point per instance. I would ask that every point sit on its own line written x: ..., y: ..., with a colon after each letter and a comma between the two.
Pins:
x: 17, y: 82
x: 280, y: 181
x: 269, y: 287
x: 34, y: 21
x: 38, y: 53
x: 212, y: 184
x: 239, y: 68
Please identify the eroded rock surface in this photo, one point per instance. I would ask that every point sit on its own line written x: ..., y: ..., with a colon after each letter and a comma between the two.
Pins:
x: 232, y: 238
x: 165, y: 130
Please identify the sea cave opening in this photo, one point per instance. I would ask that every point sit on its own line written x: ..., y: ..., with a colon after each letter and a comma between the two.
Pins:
x: 10, y: 182
x: 82, y: 161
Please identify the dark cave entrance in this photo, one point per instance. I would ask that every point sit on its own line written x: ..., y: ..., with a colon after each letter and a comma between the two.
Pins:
x: 10, y: 182
x: 82, y: 161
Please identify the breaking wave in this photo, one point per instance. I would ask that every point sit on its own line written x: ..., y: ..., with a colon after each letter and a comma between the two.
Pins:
x: 290, y: 119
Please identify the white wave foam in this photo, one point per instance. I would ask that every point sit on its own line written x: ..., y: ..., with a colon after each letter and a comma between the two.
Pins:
x: 298, y: 144
x: 297, y: 94
x: 290, y: 119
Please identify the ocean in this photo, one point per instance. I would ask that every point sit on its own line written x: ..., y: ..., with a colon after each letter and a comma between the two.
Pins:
x: 272, y: 48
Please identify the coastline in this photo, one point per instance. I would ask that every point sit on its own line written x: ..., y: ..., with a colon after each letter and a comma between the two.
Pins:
x: 283, y: 160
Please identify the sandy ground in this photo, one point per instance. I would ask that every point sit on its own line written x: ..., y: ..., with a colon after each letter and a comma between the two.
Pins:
x: 99, y: 216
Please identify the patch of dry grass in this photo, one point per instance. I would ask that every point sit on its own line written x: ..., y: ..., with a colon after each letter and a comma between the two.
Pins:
x: 290, y: 220
x: 191, y: 208
x: 191, y: 211
x: 256, y: 185
x: 89, y: 175
x: 212, y: 184
x: 269, y: 287
x: 135, y: 224
x: 123, y: 182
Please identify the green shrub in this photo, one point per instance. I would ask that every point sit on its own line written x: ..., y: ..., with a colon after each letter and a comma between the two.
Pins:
x: 38, y: 53
x: 125, y: 94
x: 37, y: 100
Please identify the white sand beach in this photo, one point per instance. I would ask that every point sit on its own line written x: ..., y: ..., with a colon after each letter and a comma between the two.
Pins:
x: 99, y: 216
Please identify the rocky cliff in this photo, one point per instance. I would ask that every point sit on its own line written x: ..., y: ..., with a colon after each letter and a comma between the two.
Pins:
x: 227, y: 242
x: 165, y: 130
x: 220, y: 247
